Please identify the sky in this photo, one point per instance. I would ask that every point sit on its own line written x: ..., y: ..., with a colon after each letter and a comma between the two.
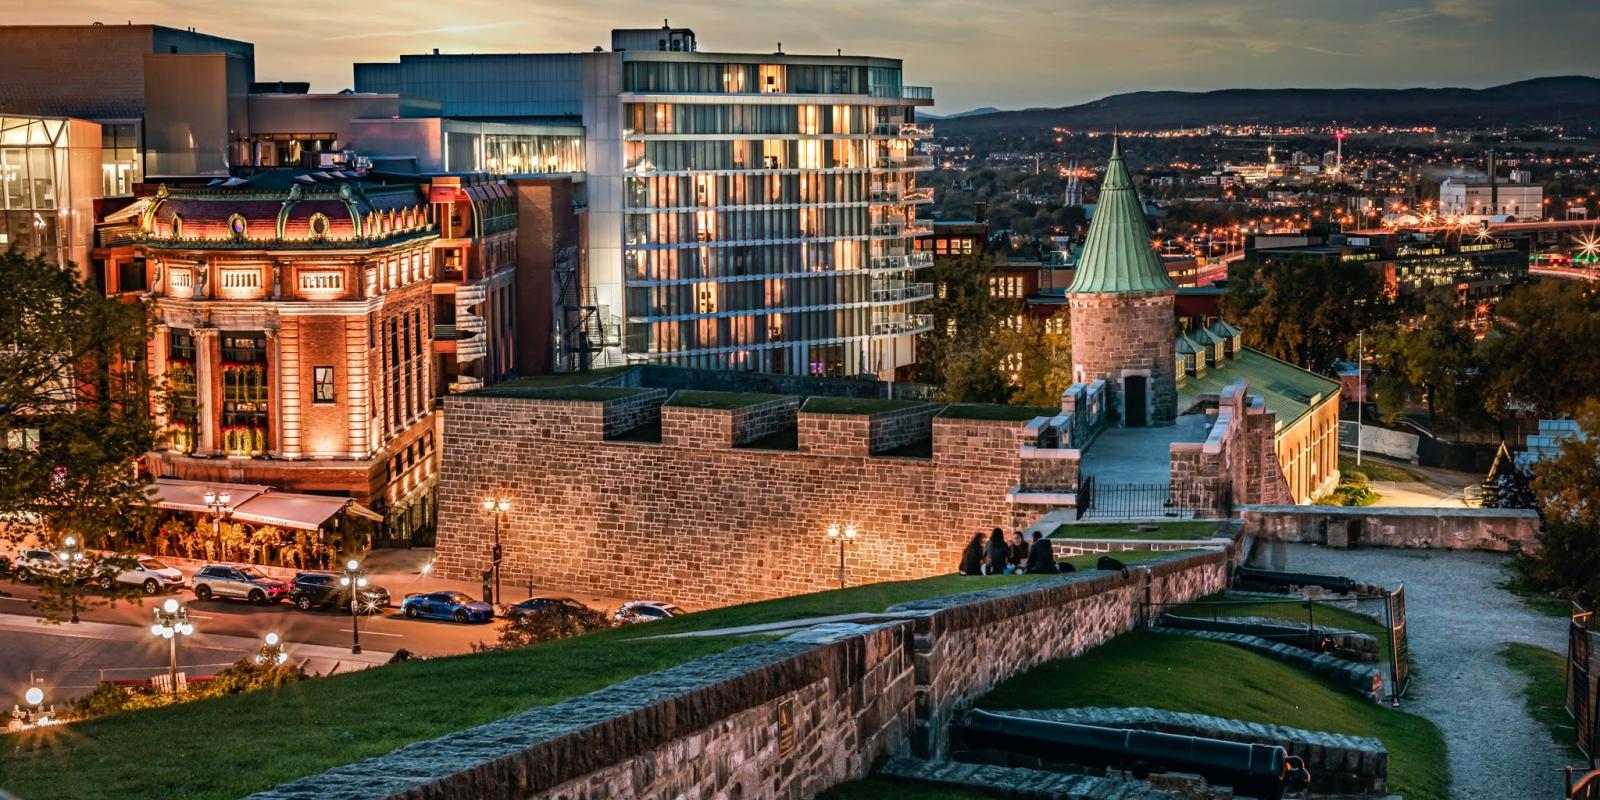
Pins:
x: 1002, y: 53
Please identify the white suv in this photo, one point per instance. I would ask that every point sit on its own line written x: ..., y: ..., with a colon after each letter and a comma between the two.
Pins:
x: 143, y: 571
x: 242, y: 582
x: 34, y: 564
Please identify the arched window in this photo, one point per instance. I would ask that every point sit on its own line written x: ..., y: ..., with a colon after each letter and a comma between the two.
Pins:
x: 177, y: 226
x: 237, y: 227
x: 319, y: 226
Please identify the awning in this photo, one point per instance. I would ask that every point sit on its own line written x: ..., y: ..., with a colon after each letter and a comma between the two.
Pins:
x: 255, y: 504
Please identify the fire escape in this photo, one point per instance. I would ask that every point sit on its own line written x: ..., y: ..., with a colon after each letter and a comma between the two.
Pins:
x: 587, y: 334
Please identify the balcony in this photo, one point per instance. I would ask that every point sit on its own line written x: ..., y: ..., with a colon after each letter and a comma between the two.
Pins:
x: 899, y: 230
x: 902, y: 162
x: 909, y: 324
x: 917, y: 92
x: 904, y: 293
x: 902, y: 262
x: 902, y: 130
x: 899, y: 195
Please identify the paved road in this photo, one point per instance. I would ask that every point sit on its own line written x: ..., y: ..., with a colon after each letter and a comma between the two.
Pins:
x: 1438, y: 488
x: 1458, y: 619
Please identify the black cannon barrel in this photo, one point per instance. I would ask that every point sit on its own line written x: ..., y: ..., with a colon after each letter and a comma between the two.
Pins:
x: 1263, y: 771
x: 1337, y: 583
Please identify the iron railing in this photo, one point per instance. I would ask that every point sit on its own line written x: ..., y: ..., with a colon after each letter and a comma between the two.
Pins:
x: 903, y: 294
x: 1583, y: 787
x: 1133, y: 501
x: 1399, y: 643
x: 1581, y: 702
x: 912, y: 323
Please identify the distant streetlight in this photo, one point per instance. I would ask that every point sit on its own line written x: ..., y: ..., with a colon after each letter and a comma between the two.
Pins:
x: 272, y: 652
x: 218, y: 502
x: 71, y: 556
x: 844, y: 536
x: 172, y: 619
x: 354, y: 581
x: 498, y: 506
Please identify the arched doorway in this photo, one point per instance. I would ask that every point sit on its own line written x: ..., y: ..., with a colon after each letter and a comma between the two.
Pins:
x: 1135, y: 389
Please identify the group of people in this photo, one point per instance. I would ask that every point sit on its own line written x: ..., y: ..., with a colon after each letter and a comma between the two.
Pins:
x: 1009, y: 555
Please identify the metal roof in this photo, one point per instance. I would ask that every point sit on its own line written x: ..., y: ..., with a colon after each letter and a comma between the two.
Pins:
x: 1117, y: 256
x: 1289, y: 391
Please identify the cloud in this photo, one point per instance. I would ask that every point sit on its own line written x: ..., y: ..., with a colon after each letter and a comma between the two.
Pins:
x: 418, y: 31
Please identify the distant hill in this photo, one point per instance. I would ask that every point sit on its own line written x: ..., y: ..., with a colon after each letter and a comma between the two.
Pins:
x: 1571, y: 100
x: 959, y: 114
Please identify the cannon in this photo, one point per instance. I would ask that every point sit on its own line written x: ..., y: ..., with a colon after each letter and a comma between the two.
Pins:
x: 1267, y: 577
x: 1256, y: 770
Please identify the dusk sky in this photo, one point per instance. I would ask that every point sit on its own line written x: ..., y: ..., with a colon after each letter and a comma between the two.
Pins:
x: 1005, y: 53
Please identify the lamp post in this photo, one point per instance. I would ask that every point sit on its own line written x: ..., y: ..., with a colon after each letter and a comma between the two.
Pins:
x: 71, y: 556
x: 844, y: 536
x: 498, y: 506
x: 354, y: 581
x: 272, y: 652
x: 172, y: 619
x: 218, y: 503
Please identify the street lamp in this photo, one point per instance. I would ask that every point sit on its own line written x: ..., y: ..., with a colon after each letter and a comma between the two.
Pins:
x: 498, y: 506
x: 32, y: 714
x: 71, y: 556
x: 271, y: 652
x: 172, y: 619
x: 218, y: 503
x: 354, y: 581
x: 845, y: 536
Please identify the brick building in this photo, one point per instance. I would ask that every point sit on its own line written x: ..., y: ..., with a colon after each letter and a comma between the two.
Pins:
x: 305, y: 325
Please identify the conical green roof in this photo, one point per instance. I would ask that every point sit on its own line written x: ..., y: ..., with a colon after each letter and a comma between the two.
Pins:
x: 1117, y: 256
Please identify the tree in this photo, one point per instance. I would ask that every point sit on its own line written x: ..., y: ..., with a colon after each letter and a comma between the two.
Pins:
x: 542, y: 626
x: 75, y: 410
x: 1303, y: 310
x: 1043, y: 358
x: 1538, y: 355
x: 1567, y: 490
x: 965, y: 311
x: 1433, y: 361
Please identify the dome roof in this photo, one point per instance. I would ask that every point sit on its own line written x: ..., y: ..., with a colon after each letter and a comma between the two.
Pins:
x: 1117, y: 256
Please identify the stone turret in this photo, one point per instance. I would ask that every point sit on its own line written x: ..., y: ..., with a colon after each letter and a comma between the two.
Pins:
x: 1121, y: 303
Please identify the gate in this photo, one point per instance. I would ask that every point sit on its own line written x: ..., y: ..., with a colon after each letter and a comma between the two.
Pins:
x: 1583, y: 787
x: 1399, y: 646
x: 1580, y: 693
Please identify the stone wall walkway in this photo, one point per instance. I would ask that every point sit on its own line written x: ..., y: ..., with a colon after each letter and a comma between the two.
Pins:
x: 1458, y: 619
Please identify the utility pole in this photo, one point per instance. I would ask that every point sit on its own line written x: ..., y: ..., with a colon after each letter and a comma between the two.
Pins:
x: 1361, y: 394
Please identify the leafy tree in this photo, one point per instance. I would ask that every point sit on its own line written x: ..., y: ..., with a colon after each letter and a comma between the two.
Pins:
x: 1567, y: 489
x: 75, y: 411
x: 965, y: 311
x: 1433, y: 361
x: 1303, y: 310
x: 1044, y: 360
x: 556, y: 623
x: 1539, y: 354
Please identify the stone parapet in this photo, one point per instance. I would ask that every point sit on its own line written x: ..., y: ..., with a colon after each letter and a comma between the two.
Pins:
x: 1017, y: 782
x: 1494, y: 529
x: 860, y: 435
x: 1363, y: 679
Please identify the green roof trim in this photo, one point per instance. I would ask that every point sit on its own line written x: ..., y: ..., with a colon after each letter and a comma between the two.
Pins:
x: 1117, y: 257
x: 997, y: 412
x: 695, y: 398
x: 818, y: 404
x: 1289, y: 391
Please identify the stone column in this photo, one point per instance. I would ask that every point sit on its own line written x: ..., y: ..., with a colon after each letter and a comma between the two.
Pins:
x: 288, y: 386
x: 274, y: 393
x: 160, y: 346
x: 208, y: 392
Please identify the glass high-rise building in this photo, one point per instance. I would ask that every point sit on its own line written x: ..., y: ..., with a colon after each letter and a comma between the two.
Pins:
x: 745, y: 211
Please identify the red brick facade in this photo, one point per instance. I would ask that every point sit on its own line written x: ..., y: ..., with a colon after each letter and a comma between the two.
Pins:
x: 697, y: 521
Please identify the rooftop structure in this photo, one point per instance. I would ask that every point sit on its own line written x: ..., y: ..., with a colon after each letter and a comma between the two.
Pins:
x: 1117, y: 256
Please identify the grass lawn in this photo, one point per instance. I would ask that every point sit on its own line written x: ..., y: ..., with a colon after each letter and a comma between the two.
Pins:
x: 1378, y: 471
x: 561, y: 379
x: 988, y: 411
x: 886, y: 788
x: 1295, y: 612
x: 1546, y: 693
x: 855, y: 405
x: 687, y: 398
x: 1180, y: 673
x: 1189, y: 529
x: 584, y: 393
x: 233, y: 746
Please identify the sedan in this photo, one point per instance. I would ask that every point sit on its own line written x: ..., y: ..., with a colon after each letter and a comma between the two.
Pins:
x: 544, y: 605
x: 645, y: 611
x: 446, y: 605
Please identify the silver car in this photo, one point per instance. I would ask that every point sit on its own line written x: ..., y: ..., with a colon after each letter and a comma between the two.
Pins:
x: 237, y: 581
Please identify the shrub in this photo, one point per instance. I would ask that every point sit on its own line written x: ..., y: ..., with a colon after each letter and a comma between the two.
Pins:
x: 557, y: 623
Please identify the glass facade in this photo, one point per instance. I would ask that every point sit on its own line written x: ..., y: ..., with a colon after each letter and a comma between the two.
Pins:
x: 513, y: 153
x: 33, y: 172
x: 770, y: 236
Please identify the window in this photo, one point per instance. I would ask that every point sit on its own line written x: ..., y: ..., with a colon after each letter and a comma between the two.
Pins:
x: 319, y: 226
x: 321, y: 280
x: 241, y: 279
x: 236, y: 226
x: 322, y: 391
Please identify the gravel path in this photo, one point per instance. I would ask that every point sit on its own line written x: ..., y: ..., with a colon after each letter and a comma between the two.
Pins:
x: 1459, y: 619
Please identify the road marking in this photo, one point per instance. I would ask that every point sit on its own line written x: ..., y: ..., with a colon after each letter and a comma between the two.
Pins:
x: 373, y: 633
x: 17, y: 599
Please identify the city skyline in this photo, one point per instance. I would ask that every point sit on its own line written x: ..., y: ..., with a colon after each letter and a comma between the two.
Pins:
x: 1007, y: 55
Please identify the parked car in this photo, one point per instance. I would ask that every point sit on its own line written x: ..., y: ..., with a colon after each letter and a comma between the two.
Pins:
x: 238, y: 581
x: 645, y: 611
x: 143, y: 571
x: 543, y: 605
x: 446, y: 605
x: 34, y: 564
x: 311, y: 590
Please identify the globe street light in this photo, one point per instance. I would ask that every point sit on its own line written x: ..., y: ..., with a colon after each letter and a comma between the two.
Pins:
x: 218, y: 503
x: 32, y: 713
x: 71, y: 556
x: 172, y: 619
x: 845, y: 536
x: 498, y: 506
x: 354, y: 581
x: 272, y: 652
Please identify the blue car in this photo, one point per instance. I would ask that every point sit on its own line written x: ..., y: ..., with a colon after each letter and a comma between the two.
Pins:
x: 447, y: 605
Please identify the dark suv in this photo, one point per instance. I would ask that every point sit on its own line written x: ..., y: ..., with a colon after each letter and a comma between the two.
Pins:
x: 311, y: 590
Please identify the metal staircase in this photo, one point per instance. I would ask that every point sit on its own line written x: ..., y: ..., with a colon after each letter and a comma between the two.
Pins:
x: 587, y: 335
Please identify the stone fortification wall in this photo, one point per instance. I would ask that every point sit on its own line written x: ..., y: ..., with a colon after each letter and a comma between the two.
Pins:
x: 777, y: 719
x: 695, y: 522
x: 1495, y: 529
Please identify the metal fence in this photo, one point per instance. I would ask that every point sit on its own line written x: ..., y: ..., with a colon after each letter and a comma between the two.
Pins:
x: 1580, y: 695
x: 1583, y: 787
x: 1133, y: 501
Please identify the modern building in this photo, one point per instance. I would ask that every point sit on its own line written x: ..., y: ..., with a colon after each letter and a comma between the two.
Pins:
x: 50, y: 171
x: 1412, y: 264
x: 305, y: 325
x: 745, y: 211
x: 1483, y: 200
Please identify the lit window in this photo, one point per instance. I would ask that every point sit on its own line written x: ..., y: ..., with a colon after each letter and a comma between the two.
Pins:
x: 322, y: 390
x: 236, y: 226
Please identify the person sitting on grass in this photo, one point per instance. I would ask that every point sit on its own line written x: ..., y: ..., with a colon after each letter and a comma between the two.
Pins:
x: 999, y: 553
x: 972, y: 556
x: 1041, y: 557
